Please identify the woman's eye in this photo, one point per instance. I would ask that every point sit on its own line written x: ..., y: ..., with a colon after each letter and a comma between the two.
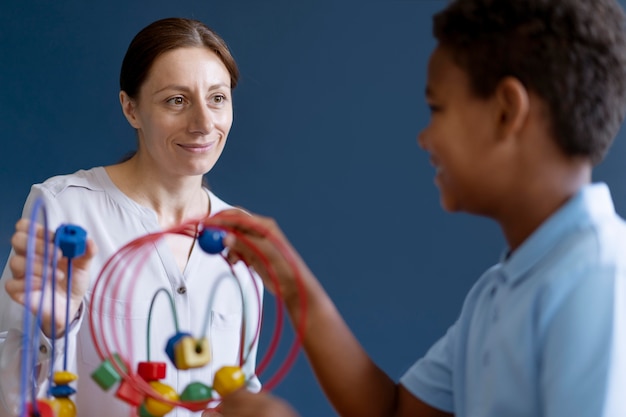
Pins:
x: 219, y: 98
x: 177, y: 101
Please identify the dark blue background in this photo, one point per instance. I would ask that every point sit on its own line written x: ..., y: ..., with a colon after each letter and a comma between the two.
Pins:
x: 324, y: 139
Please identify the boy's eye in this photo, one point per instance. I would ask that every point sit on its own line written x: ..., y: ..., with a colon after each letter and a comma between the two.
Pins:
x: 433, y: 108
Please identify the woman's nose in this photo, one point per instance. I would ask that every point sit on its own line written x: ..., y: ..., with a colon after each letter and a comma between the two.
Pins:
x: 201, y: 120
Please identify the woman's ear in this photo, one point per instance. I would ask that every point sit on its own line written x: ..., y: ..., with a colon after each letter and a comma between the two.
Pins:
x: 129, y: 107
x: 514, y: 106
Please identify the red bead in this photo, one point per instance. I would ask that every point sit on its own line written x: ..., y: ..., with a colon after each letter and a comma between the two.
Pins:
x: 151, y: 371
x: 129, y: 394
x: 43, y: 408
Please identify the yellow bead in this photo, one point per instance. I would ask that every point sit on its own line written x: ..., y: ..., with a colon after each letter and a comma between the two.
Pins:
x: 64, y: 377
x: 228, y: 379
x: 155, y: 406
x: 62, y: 407
x: 192, y: 353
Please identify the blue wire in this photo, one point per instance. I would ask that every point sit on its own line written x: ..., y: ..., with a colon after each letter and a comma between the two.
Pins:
x: 30, y: 250
x: 53, y: 330
x: 67, y: 310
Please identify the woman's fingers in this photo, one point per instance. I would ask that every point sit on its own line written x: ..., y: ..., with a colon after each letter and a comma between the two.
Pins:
x: 20, y: 240
x: 18, y: 264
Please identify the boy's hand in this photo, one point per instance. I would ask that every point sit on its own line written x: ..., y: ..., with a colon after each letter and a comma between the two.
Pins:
x: 243, y: 403
x: 274, y: 251
x: 17, y: 285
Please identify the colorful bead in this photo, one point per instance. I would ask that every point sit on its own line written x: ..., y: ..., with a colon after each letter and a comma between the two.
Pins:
x: 151, y: 371
x: 62, y: 407
x: 171, y: 344
x: 155, y: 406
x: 142, y: 412
x: 71, y: 239
x: 61, y: 391
x: 129, y: 394
x: 106, y: 375
x: 192, y: 353
x: 197, y: 394
x: 228, y: 379
x: 43, y: 409
x: 212, y: 240
x: 64, y: 377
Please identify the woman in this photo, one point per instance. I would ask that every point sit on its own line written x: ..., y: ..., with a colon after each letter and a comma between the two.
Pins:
x: 176, y: 86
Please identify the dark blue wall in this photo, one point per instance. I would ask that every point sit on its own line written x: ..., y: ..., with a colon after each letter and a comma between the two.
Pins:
x: 326, y: 116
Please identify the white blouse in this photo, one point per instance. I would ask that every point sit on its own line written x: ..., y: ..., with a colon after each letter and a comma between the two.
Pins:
x: 89, y: 199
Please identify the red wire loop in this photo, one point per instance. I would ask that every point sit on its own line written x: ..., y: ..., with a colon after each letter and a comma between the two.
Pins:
x: 128, y: 261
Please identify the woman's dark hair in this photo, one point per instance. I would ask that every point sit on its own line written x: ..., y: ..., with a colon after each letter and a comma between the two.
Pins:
x: 166, y: 35
x: 571, y: 53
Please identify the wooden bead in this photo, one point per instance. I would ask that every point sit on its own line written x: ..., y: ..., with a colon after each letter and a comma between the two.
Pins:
x: 197, y: 394
x: 228, y: 379
x: 43, y: 409
x: 155, y: 406
x: 192, y: 353
x: 106, y: 375
x: 129, y: 394
x: 64, y: 377
x: 62, y: 407
x: 151, y: 371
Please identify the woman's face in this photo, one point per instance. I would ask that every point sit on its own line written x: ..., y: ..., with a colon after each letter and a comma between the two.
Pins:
x: 183, y: 112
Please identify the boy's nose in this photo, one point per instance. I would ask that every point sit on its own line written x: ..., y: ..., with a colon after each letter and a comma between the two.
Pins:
x: 421, y: 139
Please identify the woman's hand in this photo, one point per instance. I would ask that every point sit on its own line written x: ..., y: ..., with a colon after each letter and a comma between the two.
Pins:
x: 17, y: 285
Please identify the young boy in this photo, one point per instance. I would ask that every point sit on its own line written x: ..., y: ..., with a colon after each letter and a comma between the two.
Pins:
x: 526, y: 97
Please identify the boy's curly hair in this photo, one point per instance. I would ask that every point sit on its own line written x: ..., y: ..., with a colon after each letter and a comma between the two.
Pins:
x: 571, y: 53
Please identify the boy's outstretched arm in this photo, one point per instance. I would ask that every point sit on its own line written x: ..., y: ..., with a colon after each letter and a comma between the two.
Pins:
x: 350, y: 379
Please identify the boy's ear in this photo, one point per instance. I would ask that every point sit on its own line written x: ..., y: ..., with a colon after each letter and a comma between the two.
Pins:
x: 128, y: 107
x: 514, y: 105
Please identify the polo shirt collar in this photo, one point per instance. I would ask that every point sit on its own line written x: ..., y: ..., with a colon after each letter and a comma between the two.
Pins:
x: 589, y: 204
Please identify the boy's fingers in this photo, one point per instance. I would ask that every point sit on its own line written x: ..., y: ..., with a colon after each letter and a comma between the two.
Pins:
x: 235, y: 219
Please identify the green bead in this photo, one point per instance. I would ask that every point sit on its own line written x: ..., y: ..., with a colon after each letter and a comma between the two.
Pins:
x: 196, y: 391
x: 142, y: 412
x: 197, y: 395
x: 105, y: 375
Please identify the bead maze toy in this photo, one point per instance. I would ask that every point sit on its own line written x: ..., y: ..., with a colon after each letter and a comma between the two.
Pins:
x: 139, y: 381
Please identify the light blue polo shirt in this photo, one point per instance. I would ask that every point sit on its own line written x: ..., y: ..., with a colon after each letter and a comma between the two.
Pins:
x: 543, y: 332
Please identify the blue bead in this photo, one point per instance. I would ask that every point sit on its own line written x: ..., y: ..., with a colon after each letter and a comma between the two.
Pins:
x: 71, y: 239
x: 212, y: 240
x: 169, y: 348
x: 61, y: 391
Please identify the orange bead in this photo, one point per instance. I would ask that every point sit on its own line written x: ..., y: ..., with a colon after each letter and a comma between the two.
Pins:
x: 155, y: 406
x: 228, y: 379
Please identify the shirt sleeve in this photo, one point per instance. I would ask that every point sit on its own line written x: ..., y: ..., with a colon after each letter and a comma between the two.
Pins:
x: 430, y: 378
x: 578, y: 347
